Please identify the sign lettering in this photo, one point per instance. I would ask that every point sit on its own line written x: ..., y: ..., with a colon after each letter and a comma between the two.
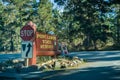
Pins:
x: 46, y: 42
x: 46, y: 46
x: 27, y: 33
x: 46, y: 36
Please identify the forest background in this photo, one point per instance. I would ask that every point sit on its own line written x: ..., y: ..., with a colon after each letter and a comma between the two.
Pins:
x: 81, y: 24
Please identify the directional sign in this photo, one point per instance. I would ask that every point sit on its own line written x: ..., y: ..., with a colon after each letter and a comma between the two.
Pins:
x: 27, y: 33
x: 27, y: 50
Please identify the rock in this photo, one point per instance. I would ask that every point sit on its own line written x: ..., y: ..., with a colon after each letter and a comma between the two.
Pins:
x: 82, y: 60
x: 15, y: 61
x: 67, y: 61
x: 79, y: 61
x: 75, y: 62
x: 18, y: 65
x: 71, y: 65
x: 49, y: 66
x: 43, y: 68
x: 64, y: 65
x: 57, y: 64
x: 75, y: 57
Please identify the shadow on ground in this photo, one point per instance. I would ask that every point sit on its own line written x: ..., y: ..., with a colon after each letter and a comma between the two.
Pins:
x: 92, y: 73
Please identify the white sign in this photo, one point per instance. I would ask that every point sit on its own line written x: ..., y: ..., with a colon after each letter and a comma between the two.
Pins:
x: 27, y: 49
x: 26, y: 33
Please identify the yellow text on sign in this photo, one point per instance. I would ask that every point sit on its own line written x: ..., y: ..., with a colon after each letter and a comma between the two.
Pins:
x: 46, y: 46
x: 46, y: 42
x: 44, y: 36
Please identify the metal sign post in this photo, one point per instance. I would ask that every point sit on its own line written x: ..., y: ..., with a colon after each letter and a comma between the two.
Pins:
x: 27, y: 33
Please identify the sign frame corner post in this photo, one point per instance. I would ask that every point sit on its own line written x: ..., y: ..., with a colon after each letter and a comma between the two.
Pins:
x: 28, y: 34
x: 32, y: 61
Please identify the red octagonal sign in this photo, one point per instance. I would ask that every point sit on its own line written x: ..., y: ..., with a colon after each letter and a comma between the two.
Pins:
x: 27, y: 33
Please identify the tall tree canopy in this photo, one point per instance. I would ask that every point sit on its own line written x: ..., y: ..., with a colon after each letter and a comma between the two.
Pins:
x: 15, y: 13
x: 82, y: 24
x: 91, y: 21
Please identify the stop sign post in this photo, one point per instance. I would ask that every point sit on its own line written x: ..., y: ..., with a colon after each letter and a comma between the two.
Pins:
x: 27, y: 33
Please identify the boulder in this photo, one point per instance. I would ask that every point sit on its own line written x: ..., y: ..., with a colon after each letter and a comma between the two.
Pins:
x: 49, y: 66
x: 64, y: 65
x: 57, y: 64
x: 43, y: 68
x: 15, y: 61
x: 76, y: 58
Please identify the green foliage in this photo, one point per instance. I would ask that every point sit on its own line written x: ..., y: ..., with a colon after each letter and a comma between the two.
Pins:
x: 45, y: 13
x: 15, y: 13
x: 95, y: 19
x: 82, y: 24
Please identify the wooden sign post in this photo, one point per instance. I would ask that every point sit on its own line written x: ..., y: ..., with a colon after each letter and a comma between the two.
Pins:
x: 32, y: 61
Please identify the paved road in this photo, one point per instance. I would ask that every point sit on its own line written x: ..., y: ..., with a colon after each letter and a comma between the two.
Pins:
x: 103, y: 65
x: 8, y: 56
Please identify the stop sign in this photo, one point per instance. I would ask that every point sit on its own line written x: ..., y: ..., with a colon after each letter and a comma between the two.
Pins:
x: 27, y: 33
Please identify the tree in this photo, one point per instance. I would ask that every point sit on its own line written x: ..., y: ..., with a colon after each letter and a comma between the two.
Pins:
x: 116, y: 6
x: 88, y: 17
x: 16, y: 13
x: 45, y: 15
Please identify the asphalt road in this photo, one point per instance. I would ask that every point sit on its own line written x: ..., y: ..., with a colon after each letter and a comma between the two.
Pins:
x: 9, y: 56
x: 102, y: 65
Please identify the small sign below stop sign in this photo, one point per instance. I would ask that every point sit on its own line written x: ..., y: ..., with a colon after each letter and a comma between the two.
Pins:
x: 27, y: 33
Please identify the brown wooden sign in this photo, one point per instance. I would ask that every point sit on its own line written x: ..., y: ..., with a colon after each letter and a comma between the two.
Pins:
x: 46, y: 44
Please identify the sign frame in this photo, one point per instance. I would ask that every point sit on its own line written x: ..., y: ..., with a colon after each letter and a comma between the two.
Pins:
x: 46, y: 44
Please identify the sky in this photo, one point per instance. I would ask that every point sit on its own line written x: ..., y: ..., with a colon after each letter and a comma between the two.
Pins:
x: 60, y: 8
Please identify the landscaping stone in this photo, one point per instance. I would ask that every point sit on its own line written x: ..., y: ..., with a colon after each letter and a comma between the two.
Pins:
x: 18, y: 65
x: 75, y: 57
x: 63, y: 65
x: 57, y: 64
x: 43, y: 68
x: 15, y: 61
x: 82, y: 60
x: 51, y: 64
